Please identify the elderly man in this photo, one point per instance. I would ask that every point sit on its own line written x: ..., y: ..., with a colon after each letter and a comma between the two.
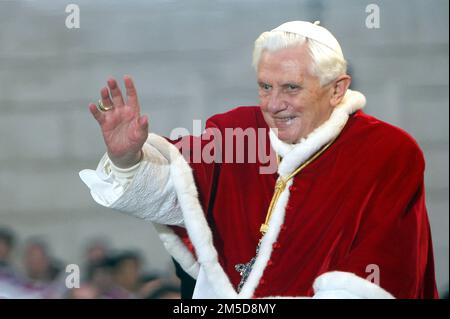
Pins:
x: 342, y: 216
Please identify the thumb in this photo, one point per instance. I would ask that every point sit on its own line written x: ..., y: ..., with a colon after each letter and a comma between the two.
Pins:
x: 141, y: 128
x: 143, y: 123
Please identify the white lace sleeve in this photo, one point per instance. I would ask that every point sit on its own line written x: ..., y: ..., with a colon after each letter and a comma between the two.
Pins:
x: 145, y: 190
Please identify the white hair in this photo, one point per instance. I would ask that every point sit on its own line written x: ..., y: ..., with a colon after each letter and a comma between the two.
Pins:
x: 327, y: 64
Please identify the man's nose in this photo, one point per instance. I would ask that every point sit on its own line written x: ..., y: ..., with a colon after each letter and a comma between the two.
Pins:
x: 276, y: 102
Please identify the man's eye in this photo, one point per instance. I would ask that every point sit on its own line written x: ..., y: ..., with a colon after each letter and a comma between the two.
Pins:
x: 292, y: 87
x: 265, y: 87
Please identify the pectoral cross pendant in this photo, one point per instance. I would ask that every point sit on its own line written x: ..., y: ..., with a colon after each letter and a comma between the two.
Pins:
x: 245, y: 269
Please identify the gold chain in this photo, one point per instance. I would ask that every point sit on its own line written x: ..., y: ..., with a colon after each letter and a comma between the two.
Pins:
x: 281, y: 185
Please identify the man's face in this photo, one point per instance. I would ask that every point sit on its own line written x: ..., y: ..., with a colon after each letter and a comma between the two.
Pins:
x: 292, y: 99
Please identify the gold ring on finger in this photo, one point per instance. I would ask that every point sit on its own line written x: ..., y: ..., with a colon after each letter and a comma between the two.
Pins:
x: 103, y: 107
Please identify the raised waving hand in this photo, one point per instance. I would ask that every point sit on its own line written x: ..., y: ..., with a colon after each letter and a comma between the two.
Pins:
x: 124, y: 129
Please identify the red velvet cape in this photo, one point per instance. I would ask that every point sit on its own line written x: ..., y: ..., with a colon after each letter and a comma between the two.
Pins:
x: 361, y: 203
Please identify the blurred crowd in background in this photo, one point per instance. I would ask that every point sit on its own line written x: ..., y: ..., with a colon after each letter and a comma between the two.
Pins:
x: 106, y: 273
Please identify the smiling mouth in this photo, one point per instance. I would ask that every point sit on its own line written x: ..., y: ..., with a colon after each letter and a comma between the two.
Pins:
x: 285, y: 120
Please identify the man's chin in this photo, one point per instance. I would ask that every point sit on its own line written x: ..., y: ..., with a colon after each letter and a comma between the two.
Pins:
x: 287, y: 138
x: 288, y: 135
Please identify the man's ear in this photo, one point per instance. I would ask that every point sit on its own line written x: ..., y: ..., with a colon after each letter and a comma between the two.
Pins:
x: 340, y: 86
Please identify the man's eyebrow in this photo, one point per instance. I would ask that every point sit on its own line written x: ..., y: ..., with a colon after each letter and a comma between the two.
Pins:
x: 292, y: 83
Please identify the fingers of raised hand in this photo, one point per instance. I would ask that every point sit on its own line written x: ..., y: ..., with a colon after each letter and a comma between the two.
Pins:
x: 116, y: 94
x: 98, y: 115
x: 106, y: 99
x: 132, y: 98
x: 112, y: 100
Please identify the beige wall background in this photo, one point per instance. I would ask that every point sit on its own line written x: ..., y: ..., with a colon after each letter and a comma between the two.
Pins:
x: 190, y: 59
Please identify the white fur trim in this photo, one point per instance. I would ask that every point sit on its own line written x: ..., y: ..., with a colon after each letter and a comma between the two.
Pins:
x: 178, y: 250
x: 194, y: 219
x: 339, y: 284
x: 265, y: 250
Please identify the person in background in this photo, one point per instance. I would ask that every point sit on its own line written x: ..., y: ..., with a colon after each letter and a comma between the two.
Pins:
x: 126, y: 272
x: 7, y: 241
x: 96, y: 250
x: 40, y: 266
